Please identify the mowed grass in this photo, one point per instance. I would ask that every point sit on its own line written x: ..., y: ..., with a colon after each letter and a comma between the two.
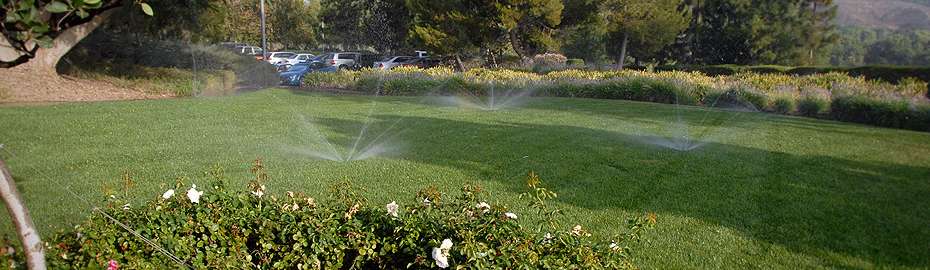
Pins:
x: 764, y: 191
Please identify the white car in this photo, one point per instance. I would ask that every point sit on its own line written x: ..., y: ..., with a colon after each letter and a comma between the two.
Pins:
x: 248, y: 50
x: 275, y: 58
x: 392, y: 61
x: 297, y: 59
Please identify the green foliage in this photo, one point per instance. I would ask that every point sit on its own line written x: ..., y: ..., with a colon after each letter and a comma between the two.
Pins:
x: 244, y: 230
x: 460, y: 28
x: 812, y: 106
x: 529, y: 24
x: 737, y: 97
x: 294, y: 23
x: 30, y: 24
x: 586, y: 40
x: 748, y: 32
x: 891, y: 74
x: 456, y: 26
x: 575, y: 63
x: 712, y: 70
x: 766, y: 69
x: 357, y: 24
x: 862, y: 46
x: 784, y: 105
x: 647, y: 26
x: 343, y: 79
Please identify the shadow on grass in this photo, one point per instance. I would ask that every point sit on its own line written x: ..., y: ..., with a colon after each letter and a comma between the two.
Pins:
x: 814, y: 205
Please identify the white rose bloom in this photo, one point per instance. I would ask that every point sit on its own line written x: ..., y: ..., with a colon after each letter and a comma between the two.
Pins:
x: 613, y: 246
x: 193, y: 194
x: 260, y: 192
x: 446, y: 245
x: 168, y: 194
x: 576, y: 231
x: 485, y: 207
x: 441, y: 254
x: 392, y: 208
x: 510, y: 215
x: 125, y: 207
x: 441, y: 260
x: 547, y: 239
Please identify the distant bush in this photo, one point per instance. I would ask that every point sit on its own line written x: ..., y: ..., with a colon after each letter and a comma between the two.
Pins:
x: 890, y: 74
x: 178, y: 66
x: 342, y: 79
x: 813, y: 102
x: 737, y: 97
x: 210, y: 227
x: 804, y: 71
x: 886, y: 113
x: 722, y: 70
x: 812, y: 106
x: 766, y: 69
x: 543, y: 63
x: 575, y: 63
x: 784, y: 104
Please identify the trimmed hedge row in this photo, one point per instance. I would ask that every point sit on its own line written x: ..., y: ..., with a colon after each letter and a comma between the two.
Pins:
x: 831, y: 96
x: 885, y: 113
x: 892, y: 74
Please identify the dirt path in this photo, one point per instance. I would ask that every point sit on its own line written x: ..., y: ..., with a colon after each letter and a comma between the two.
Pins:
x: 23, y: 86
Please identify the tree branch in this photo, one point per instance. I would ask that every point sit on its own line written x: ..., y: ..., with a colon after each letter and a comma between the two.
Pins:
x: 28, y: 235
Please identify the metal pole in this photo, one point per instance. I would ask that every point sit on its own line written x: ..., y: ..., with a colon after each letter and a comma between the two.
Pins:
x: 264, y: 40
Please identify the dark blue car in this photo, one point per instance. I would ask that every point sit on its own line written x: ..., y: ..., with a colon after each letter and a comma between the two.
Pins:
x: 294, y: 75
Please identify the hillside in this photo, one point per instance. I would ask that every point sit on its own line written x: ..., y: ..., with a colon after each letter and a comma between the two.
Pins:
x: 884, y: 14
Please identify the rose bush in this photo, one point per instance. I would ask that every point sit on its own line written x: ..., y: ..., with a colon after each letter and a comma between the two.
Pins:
x: 218, y: 228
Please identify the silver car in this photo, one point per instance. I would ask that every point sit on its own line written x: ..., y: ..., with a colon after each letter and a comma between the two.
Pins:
x: 392, y: 61
x: 342, y: 60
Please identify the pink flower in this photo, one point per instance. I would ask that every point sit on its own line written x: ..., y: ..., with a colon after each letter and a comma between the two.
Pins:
x: 112, y: 265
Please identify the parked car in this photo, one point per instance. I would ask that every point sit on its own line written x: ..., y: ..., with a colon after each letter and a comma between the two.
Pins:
x: 252, y: 51
x: 312, y: 59
x: 248, y: 50
x: 295, y: 74
x: 421, y: 63
x: 343, y: 60
x: 421, y: 54
x: 275, y: 58
x: 392, y: 61
x: 297, y: 59
x: 231, y: 45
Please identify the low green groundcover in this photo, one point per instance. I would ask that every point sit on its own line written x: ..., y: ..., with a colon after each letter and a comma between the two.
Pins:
x: 212, y: 227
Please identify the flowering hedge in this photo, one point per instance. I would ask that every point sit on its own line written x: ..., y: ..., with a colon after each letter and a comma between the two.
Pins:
x: 213, y: 227
x: 902, y: 105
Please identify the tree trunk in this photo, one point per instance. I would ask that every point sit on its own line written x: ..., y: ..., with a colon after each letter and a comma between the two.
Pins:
x: 458, y: 61
x: 810, y: 60
x: 626, y: 40
x: 28, y: 235
x: 45, y: 59
x: 517, y: 46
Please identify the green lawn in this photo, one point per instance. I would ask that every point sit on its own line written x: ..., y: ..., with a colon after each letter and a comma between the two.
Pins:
x: 765, y: 191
